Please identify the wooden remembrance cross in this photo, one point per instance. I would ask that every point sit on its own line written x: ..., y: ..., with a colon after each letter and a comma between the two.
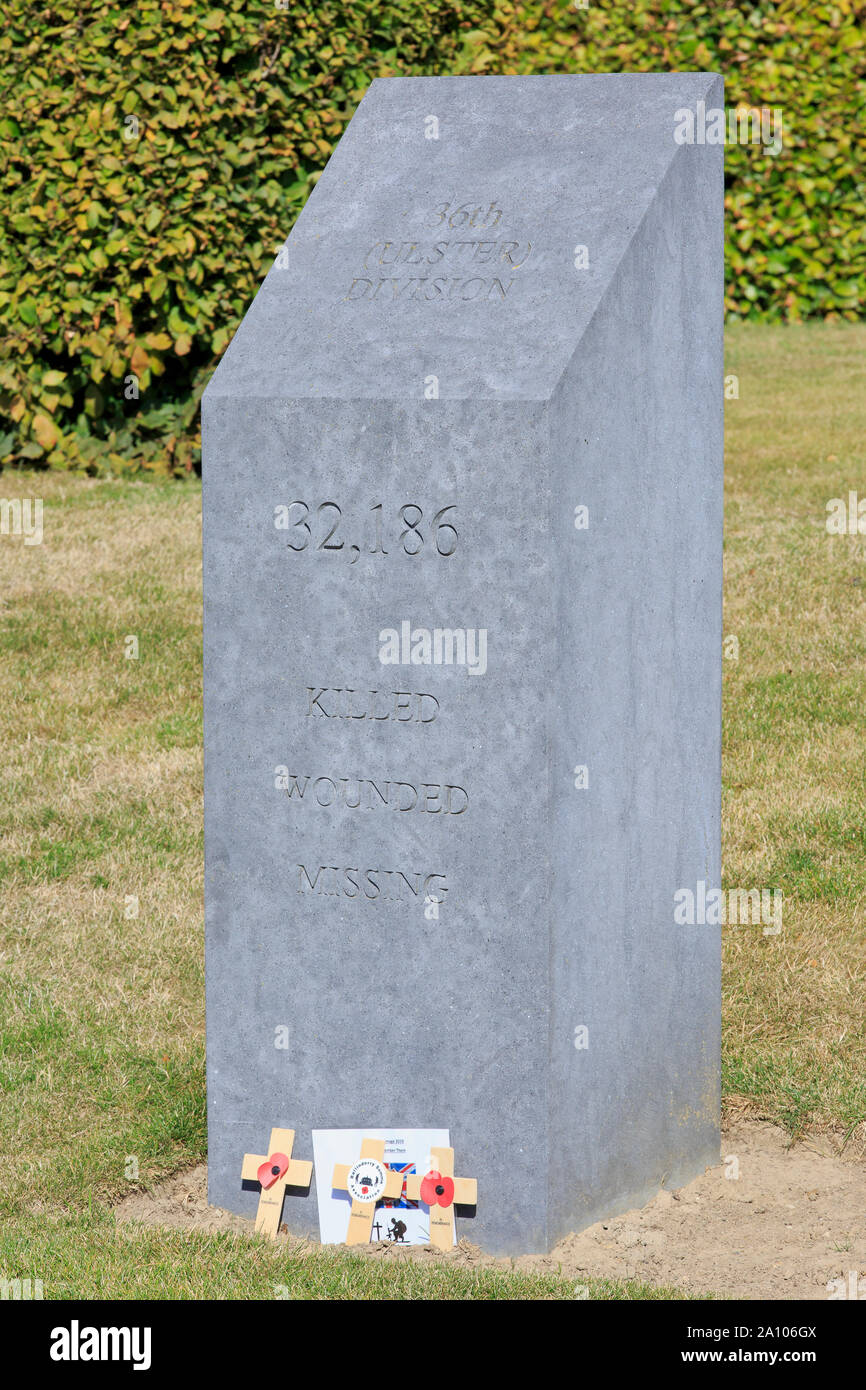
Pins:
x: 366, y: 1182
x: 439, y: 1190
x: 276, y: 1171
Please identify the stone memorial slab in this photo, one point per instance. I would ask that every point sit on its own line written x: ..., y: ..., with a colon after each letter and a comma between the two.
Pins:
x: 462, y: 565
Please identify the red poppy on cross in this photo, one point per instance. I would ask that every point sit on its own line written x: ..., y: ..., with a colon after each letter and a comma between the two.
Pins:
x: 439, y: 1190
x: 275, y: 1171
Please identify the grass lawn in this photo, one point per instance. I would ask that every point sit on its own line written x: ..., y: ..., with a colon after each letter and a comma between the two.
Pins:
x: 794, y: 771
x: 101, y: 971
x: 88, y: 1255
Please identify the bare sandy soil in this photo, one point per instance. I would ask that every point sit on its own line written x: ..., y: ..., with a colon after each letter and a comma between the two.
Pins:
x: 773, y: 1220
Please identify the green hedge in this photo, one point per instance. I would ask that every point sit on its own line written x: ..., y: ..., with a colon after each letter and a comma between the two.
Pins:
x: 154, y: 156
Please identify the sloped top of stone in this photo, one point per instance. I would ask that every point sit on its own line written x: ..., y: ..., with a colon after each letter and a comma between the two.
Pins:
x: 441, y: 239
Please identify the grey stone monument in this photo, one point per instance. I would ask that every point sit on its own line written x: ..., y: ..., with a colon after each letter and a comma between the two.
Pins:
x: 462, y: 566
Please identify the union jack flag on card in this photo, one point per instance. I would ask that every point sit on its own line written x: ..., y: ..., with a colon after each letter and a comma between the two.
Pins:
x: 402, y: 1200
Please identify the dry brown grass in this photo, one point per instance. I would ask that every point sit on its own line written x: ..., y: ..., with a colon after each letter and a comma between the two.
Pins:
x: 102, y: 1011
x: 794, y: 768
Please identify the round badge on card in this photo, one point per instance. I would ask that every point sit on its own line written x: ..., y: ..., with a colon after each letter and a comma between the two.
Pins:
x: 366, y: 1180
